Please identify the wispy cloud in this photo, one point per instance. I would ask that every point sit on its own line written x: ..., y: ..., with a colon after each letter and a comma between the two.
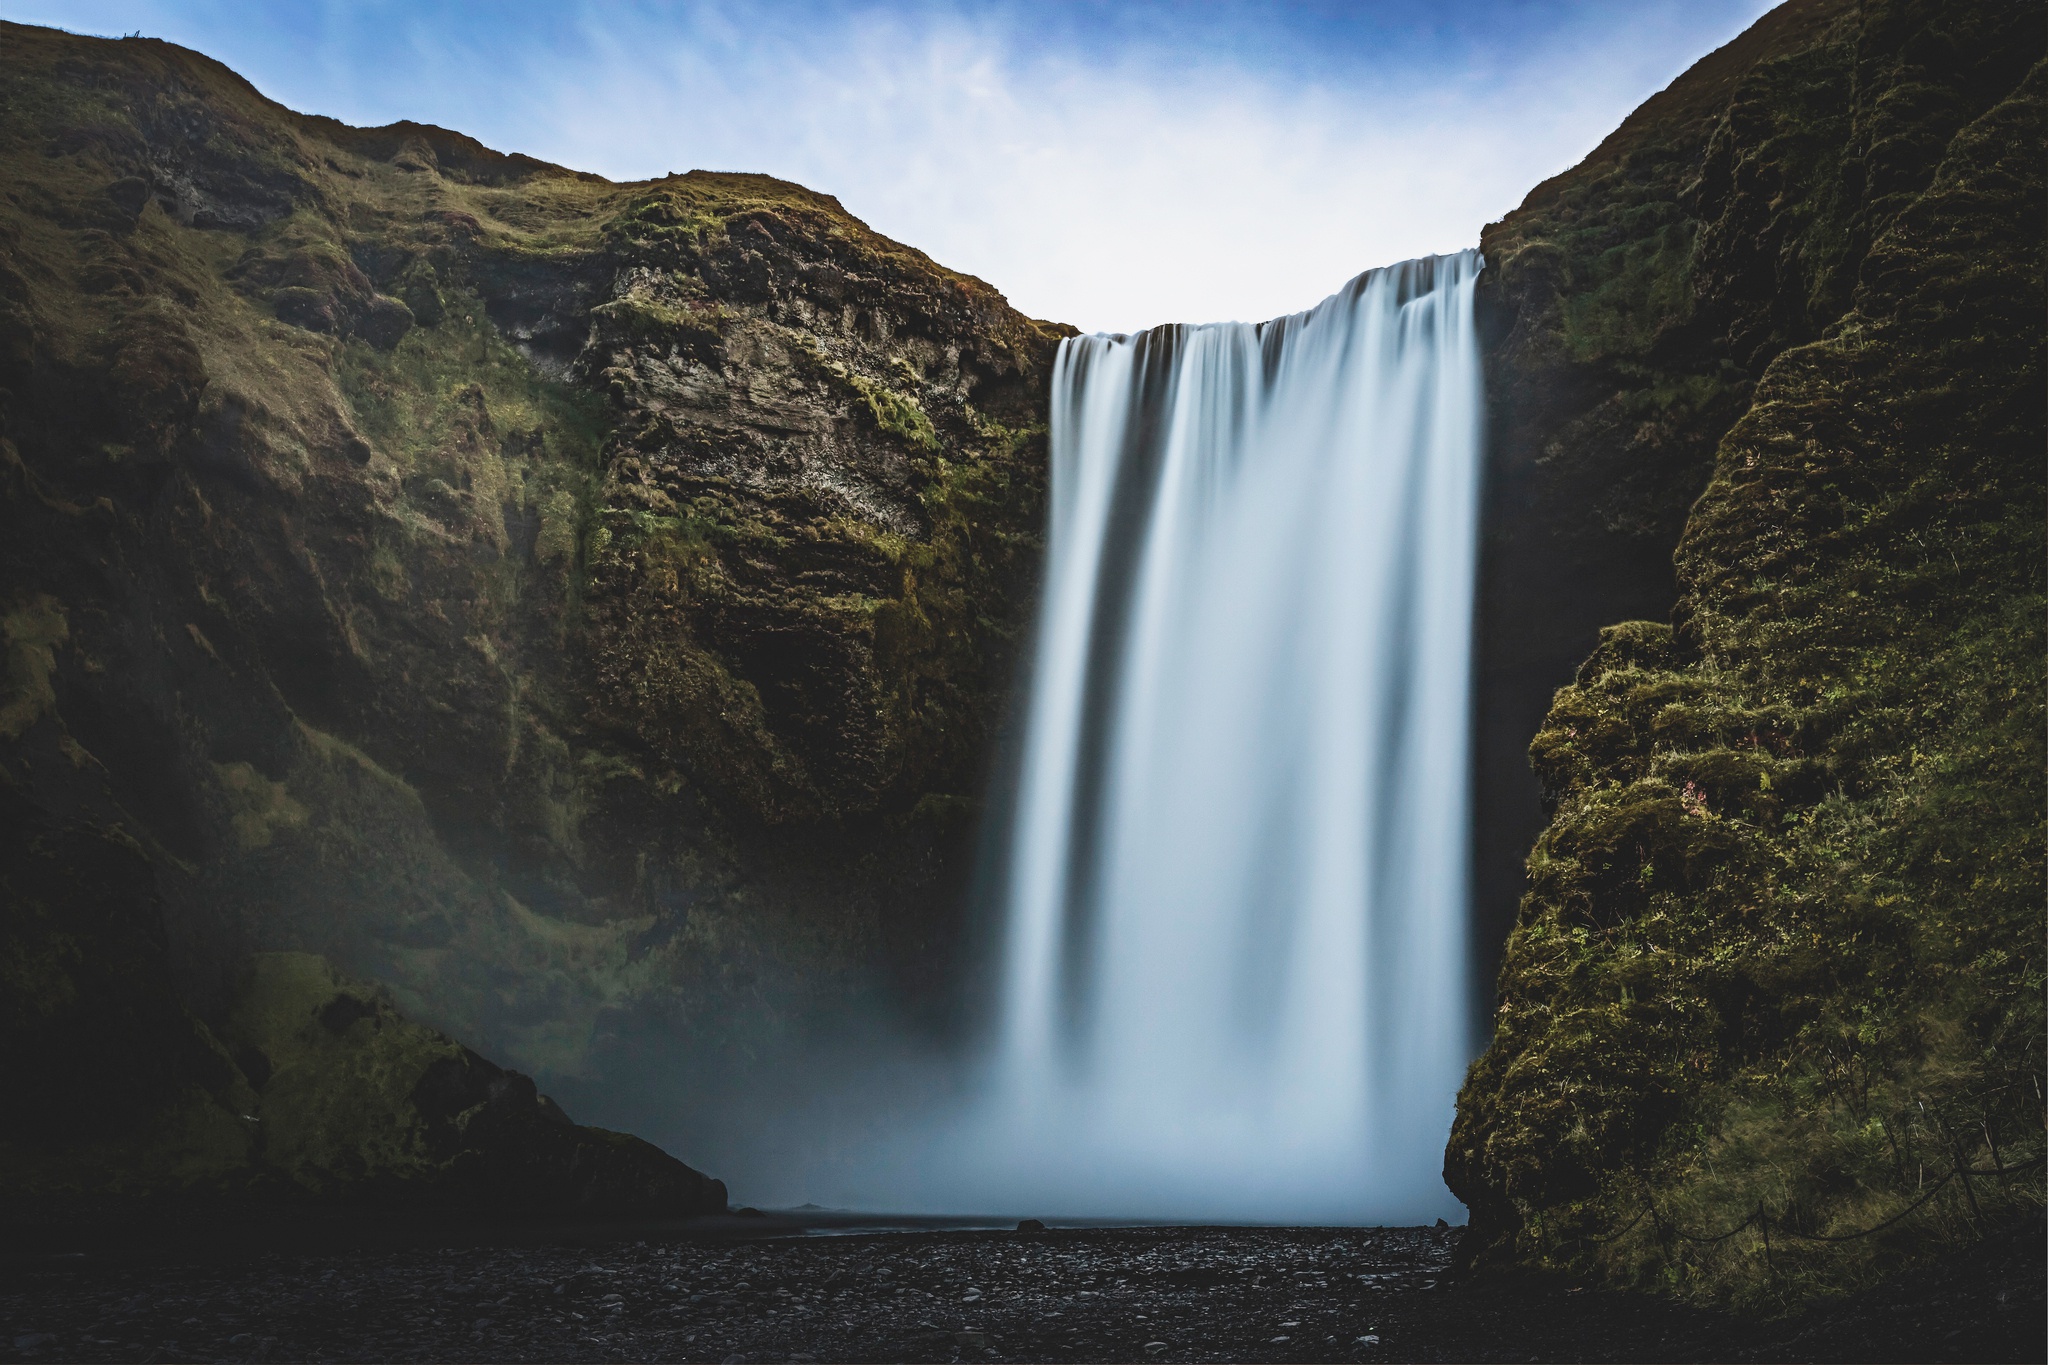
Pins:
x: 1110, y: 166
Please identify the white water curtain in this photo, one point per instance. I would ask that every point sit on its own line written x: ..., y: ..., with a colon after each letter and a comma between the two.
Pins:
x: 1235, y: 981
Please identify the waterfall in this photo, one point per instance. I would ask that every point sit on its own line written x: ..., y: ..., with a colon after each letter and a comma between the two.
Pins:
x: 1235, y: 979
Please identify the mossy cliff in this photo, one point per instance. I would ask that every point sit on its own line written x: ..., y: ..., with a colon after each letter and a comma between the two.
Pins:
x: 1778, y: 963
x: 582, y: 608
x: 585, y: 611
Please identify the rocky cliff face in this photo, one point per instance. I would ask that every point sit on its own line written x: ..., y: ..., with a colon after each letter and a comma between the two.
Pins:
x: 1608, y: 385
x: 585, y: 609
x: 582, y: 607
x: 1776, y: 966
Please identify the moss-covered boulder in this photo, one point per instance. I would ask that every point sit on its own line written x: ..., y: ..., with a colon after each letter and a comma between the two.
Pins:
x: 311, y: 1086
x: 1770, y: 1020
x: 354, y: 1101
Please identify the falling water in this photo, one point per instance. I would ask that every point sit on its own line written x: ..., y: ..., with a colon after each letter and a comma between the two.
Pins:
x: 1235, y: 974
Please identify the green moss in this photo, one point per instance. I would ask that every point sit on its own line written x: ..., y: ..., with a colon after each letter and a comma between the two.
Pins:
x: 1781, y: 950
x: 408, y: 400
x: 672, y: 226
x: 337, y: 1106
x: 637, y: 320
x: 260, y: 807
x: 1623, y: 294
x: 560, y: 521
x: 898, y: 414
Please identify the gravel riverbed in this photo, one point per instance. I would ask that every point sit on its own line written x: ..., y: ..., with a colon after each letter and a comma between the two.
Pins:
x: 1126, y: 1294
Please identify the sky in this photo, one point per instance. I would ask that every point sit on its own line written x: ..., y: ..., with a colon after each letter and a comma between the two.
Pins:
x: 1110, y: 165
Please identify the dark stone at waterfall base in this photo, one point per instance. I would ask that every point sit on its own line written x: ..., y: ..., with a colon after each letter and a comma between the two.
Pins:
x: 716, y: 1289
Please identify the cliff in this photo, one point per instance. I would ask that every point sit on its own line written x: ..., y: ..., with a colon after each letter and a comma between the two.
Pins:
x: 582, y: 608
x: 1769, y: 1018
x: 586, y: 610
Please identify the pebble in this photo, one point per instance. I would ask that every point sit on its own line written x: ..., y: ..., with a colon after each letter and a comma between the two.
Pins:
x: 1068, y: 1295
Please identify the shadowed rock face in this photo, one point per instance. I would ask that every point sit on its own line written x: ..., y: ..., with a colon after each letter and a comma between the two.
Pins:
x: 583, y: 608
x: 1778, y: 946
x: 1610, y: 379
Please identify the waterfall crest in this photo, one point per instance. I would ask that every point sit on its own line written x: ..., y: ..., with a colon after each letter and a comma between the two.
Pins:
x: 1235, y: 973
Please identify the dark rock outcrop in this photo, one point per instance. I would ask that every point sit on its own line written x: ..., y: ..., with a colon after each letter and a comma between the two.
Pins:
x: 1777, y: 967
x: 311, y: 1086
x: 352, y: 1100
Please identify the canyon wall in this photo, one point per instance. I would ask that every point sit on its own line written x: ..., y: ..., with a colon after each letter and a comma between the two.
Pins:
x: 449, y: 596
x: 583, y: 609
x: 1776, y: 963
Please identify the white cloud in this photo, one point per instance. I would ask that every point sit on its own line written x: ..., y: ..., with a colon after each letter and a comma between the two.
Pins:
x: 1112, y: 193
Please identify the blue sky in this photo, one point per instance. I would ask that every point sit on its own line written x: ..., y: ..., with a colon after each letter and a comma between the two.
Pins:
x: 1112, y: 165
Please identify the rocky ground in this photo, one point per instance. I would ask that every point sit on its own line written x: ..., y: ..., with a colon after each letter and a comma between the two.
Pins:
x: 1081, y: 1294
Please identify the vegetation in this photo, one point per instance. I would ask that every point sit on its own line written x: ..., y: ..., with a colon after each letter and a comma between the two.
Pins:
x: 1778, y: 972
